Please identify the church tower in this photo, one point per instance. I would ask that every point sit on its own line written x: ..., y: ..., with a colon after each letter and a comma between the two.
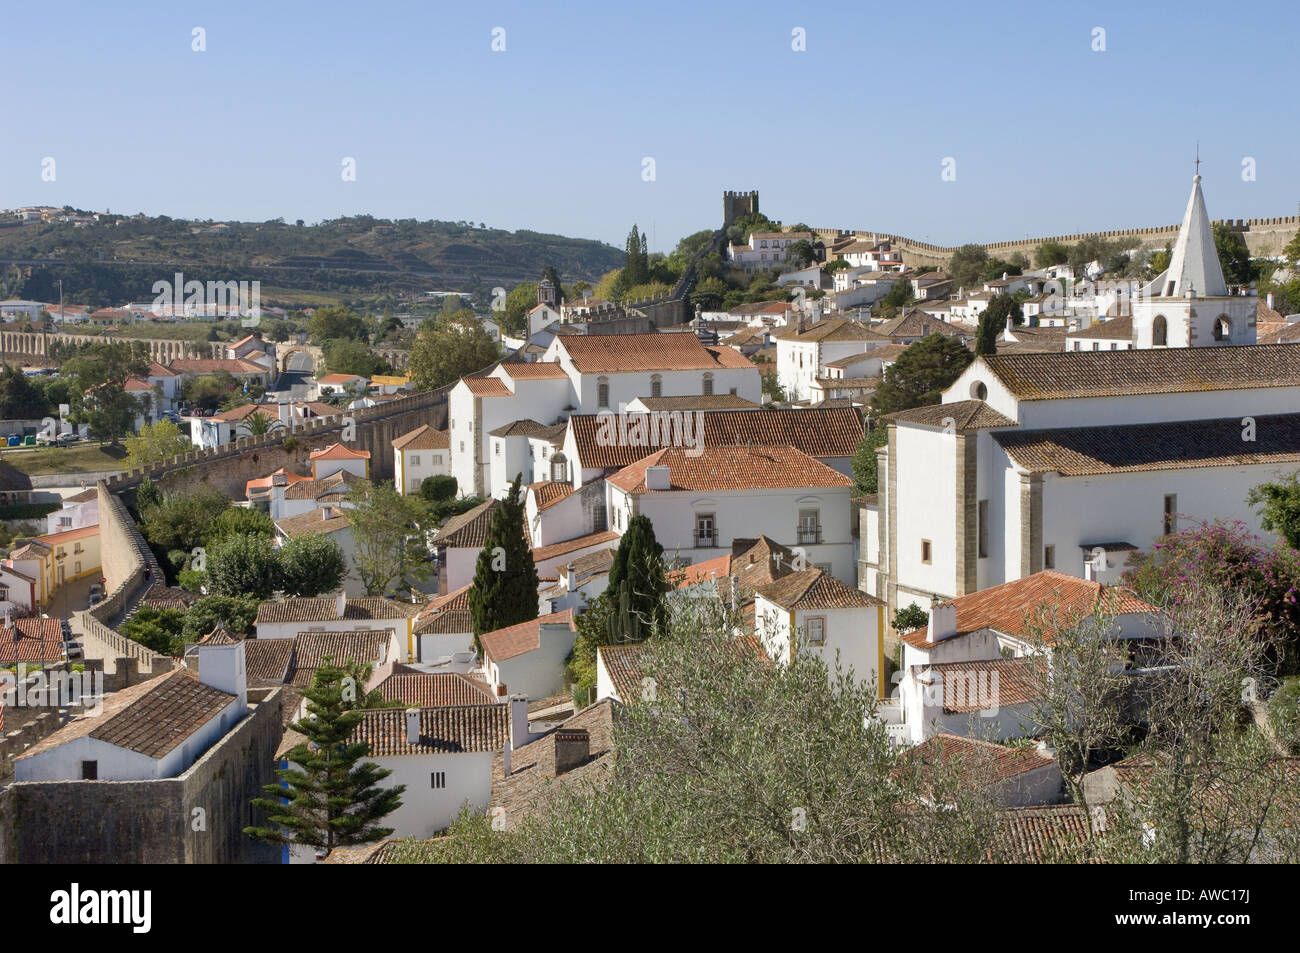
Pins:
x: 1188, y: 304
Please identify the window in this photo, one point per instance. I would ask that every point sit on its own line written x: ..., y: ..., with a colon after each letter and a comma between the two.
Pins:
x: 599, y: 518
x: 415, y: 460
x: 982, y: 527
x: 809, y: 527
x: 65, y: 520
x: 1222, y: 328
x: 462, y: 446
x: 978, y: 391
x: 1049, y: 557
x: 496, y: 446
x: 4, y: 593
x: 926, y: 551
x: 90, y: 770
x: 705, y: 531
x: 438, y: 779
x: 436, y: 459
x: 816, y: 629
x: 77, y: 569
x: 602, y: 392
x: 1171, y: 513
x: 1160, y: 331
x: 708, y: 384
x: 657, y: 385
x: 733, y: 392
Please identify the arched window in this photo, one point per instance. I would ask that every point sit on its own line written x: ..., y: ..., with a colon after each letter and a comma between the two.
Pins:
x: 656, y: 385
x: 708, y: 384
x: 602, y: 392
x: 559, y: 468
x: 1159, y: 331
x: 1222, y: 328
x: 978, y: 391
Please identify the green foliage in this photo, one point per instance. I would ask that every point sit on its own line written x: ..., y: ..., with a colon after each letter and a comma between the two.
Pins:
x: 898, y: 296
x: 388, y: 535
x: 1159, y: 260
x: 636, y: 271
x: 505, y: 580
x: 311, y: 565
x: 866, y: 471
x: 240, y: 520
x: 27, y: 511
x: 1051, y: 253
x: 800, y: 253
x: 334, y: 796
x: 236, y: 613
x: 182, y: 520
x: 1279, y: 507
x: 155, y: 443
x: 1234, y: 257
x: 437, y: 488
x: 257, y: 424
x: 350, y: 356
x: 20, y: 397
x: 1284, y: 713
x: 521, y: 300
x: 102, y: 371
x: 334, y: 322
x: 913, y: 617
x: 993, y: 320
x: 242, y: 564
x: 967, y: 265
x: 454, y: 346
x: 157, y: 629
x: 921, y: 374
x: 212, y: 391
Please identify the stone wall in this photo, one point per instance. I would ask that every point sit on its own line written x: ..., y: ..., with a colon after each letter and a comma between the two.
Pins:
x: 195, y: 818
x: 35, y: 344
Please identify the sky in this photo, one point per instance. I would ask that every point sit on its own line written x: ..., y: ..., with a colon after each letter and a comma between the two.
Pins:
x: 1046, y: 133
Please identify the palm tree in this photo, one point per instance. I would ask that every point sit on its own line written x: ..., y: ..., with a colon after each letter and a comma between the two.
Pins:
x: 257, y: 423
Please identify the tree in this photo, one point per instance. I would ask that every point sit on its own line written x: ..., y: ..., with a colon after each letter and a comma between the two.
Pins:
x: 800, y: 253
x: 1051, y: 253
x: 258, y: 424
x: 155, y: 443
x: 157, y: 629
x: 311, y: 565
x: 20, y: 397
x: 967, y: 264
x: 437, y: 488
x: 456, y: 345
x: 920, y: 374
x: 211, y: 391
x: 102, y: 372
x: 637, y: 269
x: 236, y: 613
x: 388, y: 536
x: 866, y: 470
x: 550, y: 274
x: 1234, y: 257
x: 505, y: 580
x: 243, y: 564
x: 911, y: 618
x: 335, y: 321
x: 1279, y: 507
x: 639, y: 581
x: 521, y: 299
x: 898, y: 296
x: 240, y: 520
x: 349, y: 356
x: 1160, y: 259
x: 993, y: 321
x: 334, y: 796
x: 182, y: 520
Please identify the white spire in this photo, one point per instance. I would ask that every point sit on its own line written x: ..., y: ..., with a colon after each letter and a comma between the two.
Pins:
x: 1194, y: 263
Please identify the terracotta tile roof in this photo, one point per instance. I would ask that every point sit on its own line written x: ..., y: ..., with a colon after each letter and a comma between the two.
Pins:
x: 424, y: 690
x: 1120, y: 328
x: 731, y: 468
x: 213, y: 365
x: 542, y: 553
x: 423, y: 437
x: 85, y: 496
x: 1286, y: 333
x: 1094, y: 451
x: 469, y: 529
x: 1018, y: 681
x: 487, y: 386
x: 516, y: 640
x: 917, y: 323
x: 988, y: 761
x: 815, y: 589
x: 850, y: 360
x: 520, y: 428
x: 218, y: 636
x: 31, y: 640
x: 698, y: 402
x: 700, y: 572
x: 314, y: 522
x: 818, y: 432
x: 80, y: 727
x: 312, y: 648
x: 446, y: 615
x: 533, y: 780
x: 1040, y: 834
x: 339, y: 483
x: 162, y: 718
x: 831, y: 329
x: 461, y: 728
x: 1004, y: 608
x: 325, y: 609
x: 32, y: 549
x: 336, y: 451
x: 266, y: 482
x: 549, y: 492
x: 965, y: 415
x: 339, y: 378
x: 268, y: 660
x: 54, y: 539
x: 1069, y: 374
x: 668, y: 351
x: 623, y: 663
x: 533, y: 370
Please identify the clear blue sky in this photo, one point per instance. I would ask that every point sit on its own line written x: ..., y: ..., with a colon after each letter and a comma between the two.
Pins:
x: 1048, y: 136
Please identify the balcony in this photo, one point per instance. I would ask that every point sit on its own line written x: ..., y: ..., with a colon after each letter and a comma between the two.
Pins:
x: 705, y: 540
x: 810, y: 536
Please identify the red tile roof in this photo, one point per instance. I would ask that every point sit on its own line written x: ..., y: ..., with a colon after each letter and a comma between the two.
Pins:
x: 463, y: 728
x: 518, y: 639
x: 487, y: 386
x: 424, y: 690
x: 815, y: 589
x: 336, y: 451
x: 162, y: 718
x: 614, y: 353
x: 965, y: 684
x: 990, y: 762
x: 423, y: 437
x: 31, y: 640
x: 731, y: 468
x: 548, y: 493
x: 533, y: 370
x: 543, y: 553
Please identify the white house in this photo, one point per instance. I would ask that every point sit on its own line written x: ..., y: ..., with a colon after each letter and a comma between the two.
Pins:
x: 528, y: 658
x: 286, y: 618
x: 329, y: 520
x: 330, y: 460
x: 419, y: 454
x: 444, y: 627
x: 765, y: 249
x: 803, y: 349
x: 78, y: 511
x: 812, y: 611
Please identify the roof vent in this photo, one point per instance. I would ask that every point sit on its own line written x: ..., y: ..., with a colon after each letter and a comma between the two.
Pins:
x: 657, y: 478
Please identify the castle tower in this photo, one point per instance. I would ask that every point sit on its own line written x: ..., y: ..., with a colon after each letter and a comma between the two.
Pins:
x: 1188, y: 304
x: 548, y: 294
x: 737, y: 204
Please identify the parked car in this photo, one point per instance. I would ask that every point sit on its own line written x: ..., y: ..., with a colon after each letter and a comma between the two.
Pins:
x: 73, y: 649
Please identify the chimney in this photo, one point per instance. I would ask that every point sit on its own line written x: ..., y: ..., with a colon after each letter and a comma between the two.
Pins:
x: 279, y: 479
x: 284, y: 412
x: 1268, y: 301
x: 572, y: 746
x: 657, y: 478
x: 327, y: 512
x: 412, y: 726
x: 519, y: 734
x: 943, y: 621
x: 223, y: 667
x: 570, y: 578
x: 1010, y: 323
x: 341, y: 601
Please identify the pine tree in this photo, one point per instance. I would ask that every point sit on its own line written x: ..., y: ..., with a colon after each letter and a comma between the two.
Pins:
x: 333, y: 800
x: 638, y: 582
x: 505, y: 579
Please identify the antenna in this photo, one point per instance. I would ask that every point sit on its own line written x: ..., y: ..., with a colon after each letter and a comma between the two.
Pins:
x: 1198, y: 157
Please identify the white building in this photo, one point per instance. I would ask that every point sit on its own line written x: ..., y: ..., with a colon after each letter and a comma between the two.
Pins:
x: 803, y: 350
x: 765, y: 249
x: 422, y: 453
x: 77, y: 512
x: 528, y: 658
x: 286, y: 618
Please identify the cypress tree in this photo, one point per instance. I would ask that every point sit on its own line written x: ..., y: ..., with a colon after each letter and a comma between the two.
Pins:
x: 505, y: 579
x: 638, y: 581
x: 334, y: 801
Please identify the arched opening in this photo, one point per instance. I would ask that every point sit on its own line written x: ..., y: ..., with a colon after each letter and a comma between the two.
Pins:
x: 978, y: 391
x: 559, y: 468
x: 602, y: 392
x: 1160, y: 332
x: 1222, y: 328
x: 656, y: 385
